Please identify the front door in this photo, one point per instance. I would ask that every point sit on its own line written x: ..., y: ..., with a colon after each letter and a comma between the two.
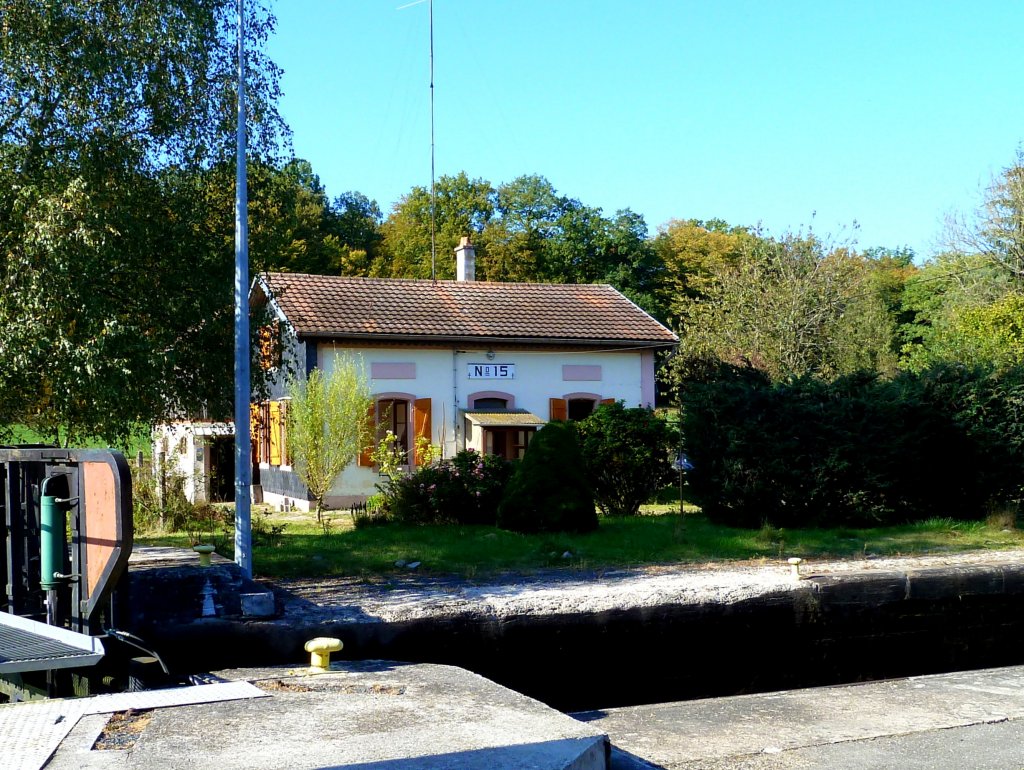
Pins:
x: 509, y: 443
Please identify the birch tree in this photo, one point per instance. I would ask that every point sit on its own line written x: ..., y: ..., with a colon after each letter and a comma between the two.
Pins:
x: 115, y: 296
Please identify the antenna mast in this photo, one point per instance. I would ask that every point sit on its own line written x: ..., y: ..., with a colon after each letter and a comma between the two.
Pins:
x: 433, y: 196
x: 433, y: 203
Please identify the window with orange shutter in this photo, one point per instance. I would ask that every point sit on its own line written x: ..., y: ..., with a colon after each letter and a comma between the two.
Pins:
x: 393, y: 415
x: 408, y: 420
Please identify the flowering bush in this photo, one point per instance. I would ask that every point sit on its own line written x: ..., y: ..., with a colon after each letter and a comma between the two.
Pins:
x: 463, y: 490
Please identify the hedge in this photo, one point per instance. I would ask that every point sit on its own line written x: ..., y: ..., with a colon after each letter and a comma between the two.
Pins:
x: 858, y: 451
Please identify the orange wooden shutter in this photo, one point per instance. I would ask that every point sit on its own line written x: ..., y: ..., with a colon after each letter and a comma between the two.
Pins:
x: 254, y: 419
x: 275, y: 432
x: 559, y: 409
x: 365, y: 458
x: 286, y: 455
x: 421, y: 420
x: 254, y: 431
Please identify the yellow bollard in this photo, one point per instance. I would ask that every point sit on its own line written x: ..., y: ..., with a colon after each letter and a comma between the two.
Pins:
x: 205, y: 553
x: 320, y: 650
x: 794, y: 568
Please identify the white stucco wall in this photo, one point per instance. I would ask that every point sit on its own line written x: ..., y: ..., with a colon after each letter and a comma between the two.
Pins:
x: 183, y: 448
x: 443, y: 376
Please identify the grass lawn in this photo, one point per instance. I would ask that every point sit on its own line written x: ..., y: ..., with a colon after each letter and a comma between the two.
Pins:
x: 661, y: 536
x: 19, y: 434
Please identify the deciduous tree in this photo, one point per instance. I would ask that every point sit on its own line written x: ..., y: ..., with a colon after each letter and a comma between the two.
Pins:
x: 293, y: 226
x: 463, y: 206
x: 790, y: 306
x: 115, y: 294
x: 357, y: 221
x: 988, y: 336
x: 996, y: 229
x: 936, y: 297
x: 691, y: 253
x: 327, y: 426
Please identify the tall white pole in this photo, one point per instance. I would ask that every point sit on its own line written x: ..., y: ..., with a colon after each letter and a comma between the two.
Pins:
x: 243, y: 444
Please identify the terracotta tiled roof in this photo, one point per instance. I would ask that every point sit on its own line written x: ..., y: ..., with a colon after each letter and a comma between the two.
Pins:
x: 333, y: 306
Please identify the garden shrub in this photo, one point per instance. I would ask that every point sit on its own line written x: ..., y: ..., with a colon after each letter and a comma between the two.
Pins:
x: 548, y: 491
x: 463, y: 490
x: 626, y: 456
x: 371, y: 513
x: 172, y: 514
x: 210, y: 524
x: 858, y: 451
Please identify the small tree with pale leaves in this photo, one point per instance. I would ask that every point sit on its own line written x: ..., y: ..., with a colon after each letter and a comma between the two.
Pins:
x: 327, y: 425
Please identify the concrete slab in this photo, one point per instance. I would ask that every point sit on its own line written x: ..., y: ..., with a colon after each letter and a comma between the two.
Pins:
x: 965, y: 719
x: 371, y: 715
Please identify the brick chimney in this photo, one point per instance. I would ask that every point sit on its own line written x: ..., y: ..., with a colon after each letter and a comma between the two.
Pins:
x: 465, y: 260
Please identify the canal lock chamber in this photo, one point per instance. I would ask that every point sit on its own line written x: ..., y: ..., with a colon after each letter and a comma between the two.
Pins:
x: 821, y: 631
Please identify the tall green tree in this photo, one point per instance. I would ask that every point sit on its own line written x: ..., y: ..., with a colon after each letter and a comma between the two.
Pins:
x: 90, y: 85
x: 934, y: 300
x: 634, y: 266
x: 526, y: 210
x: 691, y: 253
x: 989, y: 336
x: 523, y: 230
x: 294, y: 227
x: 463, y: 206
x: 960, y: 307
x: 116, y: 294
x: 356, y: 222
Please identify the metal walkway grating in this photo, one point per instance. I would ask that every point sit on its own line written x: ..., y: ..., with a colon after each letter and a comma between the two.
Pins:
x: 31, y: 732
x: 26, y: 645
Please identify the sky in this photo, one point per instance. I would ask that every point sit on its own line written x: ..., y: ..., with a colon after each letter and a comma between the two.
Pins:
x: 866, y: 121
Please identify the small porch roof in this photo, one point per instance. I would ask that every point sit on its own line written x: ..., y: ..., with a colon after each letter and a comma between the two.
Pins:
x: 503, y: 418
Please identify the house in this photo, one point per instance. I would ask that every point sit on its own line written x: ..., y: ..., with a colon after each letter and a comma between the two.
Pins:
x: 463, y: 364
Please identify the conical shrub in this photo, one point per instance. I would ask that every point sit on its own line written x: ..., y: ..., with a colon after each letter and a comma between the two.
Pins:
x: 548, y: 491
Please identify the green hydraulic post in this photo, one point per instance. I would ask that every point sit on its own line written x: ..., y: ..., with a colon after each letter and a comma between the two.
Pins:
x: 53, y: 545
